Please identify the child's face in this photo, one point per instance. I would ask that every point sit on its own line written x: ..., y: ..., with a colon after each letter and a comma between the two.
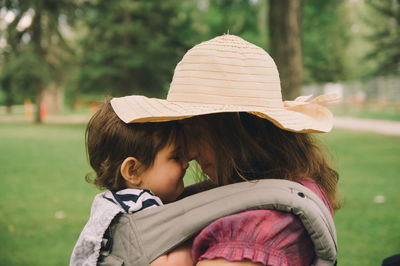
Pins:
x: 165, y: 177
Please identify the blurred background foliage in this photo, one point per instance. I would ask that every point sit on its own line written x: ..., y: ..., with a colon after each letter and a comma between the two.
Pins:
x: 85, y: 49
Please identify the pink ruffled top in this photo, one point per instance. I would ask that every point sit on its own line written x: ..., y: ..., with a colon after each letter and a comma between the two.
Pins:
x: 268, y: 237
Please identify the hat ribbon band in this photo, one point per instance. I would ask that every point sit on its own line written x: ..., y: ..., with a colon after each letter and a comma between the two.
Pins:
x: 303, y: 100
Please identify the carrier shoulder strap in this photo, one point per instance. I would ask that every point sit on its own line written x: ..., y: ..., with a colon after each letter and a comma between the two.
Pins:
x: 140, y: 238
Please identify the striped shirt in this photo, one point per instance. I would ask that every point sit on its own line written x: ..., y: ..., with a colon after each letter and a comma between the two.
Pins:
x: 133, y: 200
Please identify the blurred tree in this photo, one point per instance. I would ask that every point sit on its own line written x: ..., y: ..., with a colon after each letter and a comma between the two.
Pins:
x: 131, y: 47
x: 8, y: 97
x: 386, y: 38
x: 325, y: 40
x: 239, y: 17
x: 36, y: 49
x: 5, y: 78
x: 21, y: 77
x: 285, y: 43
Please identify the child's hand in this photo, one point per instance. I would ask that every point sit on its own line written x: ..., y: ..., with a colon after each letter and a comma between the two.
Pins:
x: 180, y: 256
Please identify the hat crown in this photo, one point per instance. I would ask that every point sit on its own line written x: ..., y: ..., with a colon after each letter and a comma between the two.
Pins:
x: 227, y: 70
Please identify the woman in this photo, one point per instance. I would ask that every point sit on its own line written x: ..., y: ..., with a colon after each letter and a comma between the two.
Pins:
x: 235, y: 147
x: 242, y: 130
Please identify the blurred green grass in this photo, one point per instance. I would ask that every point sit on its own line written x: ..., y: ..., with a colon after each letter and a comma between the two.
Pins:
x: 43, y: 168
x: 369, y: 166
x: 45, y: 200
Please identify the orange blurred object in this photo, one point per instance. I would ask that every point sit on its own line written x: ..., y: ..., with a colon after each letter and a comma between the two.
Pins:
x: 28, y: 106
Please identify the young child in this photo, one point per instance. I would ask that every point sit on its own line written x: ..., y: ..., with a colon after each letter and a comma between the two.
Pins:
x: 141, y: 165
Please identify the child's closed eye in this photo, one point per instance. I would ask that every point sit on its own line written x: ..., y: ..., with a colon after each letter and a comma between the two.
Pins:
x: 177, y: 156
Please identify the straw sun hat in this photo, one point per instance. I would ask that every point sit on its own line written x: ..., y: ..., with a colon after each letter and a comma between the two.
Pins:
x: 227, y: 74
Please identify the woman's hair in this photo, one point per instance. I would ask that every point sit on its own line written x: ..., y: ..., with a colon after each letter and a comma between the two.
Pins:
x: 247, y: 147
x: 109, y: 141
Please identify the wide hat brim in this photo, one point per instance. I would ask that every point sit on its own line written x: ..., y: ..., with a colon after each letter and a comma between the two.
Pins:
x: 227, y: 74
x: 297, y: 117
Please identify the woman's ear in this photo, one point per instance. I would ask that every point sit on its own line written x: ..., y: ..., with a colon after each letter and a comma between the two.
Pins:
x: 129, y: 171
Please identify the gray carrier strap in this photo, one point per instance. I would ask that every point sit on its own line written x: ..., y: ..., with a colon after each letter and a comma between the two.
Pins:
x: 140, y: 238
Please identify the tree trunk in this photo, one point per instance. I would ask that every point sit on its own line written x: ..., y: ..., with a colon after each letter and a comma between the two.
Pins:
x: 38, y: 99
x: 37, y: 41
x: 8, y: 95
x: 285, y: 44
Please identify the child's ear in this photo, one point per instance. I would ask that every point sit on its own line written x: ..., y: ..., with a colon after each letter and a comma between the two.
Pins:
x: 129, y: 171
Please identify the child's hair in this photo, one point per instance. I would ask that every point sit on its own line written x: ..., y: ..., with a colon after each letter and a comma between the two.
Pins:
x: 247, y: 147
x: 109, y: 141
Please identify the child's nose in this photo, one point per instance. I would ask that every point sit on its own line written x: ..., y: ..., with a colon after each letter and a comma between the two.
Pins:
x: 185, y: 164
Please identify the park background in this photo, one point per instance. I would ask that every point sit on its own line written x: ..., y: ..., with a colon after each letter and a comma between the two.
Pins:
x: 59, y: 59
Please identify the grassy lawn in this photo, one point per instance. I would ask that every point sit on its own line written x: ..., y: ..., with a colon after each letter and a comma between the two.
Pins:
x: 43, y: 170
x: 369, y: 167
x: 45, y: 201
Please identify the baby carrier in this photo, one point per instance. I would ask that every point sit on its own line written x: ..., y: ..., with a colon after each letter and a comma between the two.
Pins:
x: 138, y: 239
